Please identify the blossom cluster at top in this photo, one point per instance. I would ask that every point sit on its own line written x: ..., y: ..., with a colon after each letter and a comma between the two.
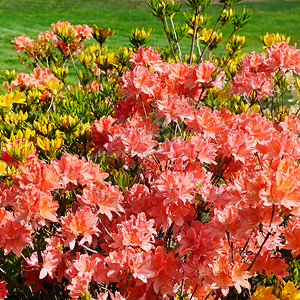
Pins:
x: 166, y: 197
x: 255, y: 76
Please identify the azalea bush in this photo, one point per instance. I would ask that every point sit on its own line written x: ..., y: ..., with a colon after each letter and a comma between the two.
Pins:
x: 148, y: 176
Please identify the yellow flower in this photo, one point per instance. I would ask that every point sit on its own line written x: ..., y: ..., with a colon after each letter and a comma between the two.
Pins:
x: 16, y: 118
x: 210, y: 38
x: 272, y: 38
x: 54, y: 86
x: 20, y: 149
x: 102, y: 34
x: 264, y: 293
x: 7, y: 100
x: 290, y: 292
x: 49, y: 146
x: 3, y: 168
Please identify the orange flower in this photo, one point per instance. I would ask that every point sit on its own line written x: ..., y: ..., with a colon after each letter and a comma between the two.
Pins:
x: 137, y: 232
x: 22, y: 42
x: 81, y: 225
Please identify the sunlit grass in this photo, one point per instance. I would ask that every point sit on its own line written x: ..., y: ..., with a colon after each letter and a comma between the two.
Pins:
x: 33, y: 16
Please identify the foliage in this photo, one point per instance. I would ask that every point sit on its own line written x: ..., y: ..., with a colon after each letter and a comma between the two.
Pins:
x: 151, y: 177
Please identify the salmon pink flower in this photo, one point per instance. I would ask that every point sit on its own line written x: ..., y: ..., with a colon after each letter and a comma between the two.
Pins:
x: 256, y: 63
x: 14, y: 235
x: 166, y: 267
x: 130, y: 262
x: 223, y: 273
x: 283, y: 57
x: 238, y: 144
x: 147, y: 57
x: 83, y: 32
x: 247, y: 83
x: 206, y: 121
x: 292, y: 236
x: 81, y: 225
x: 109, y: 295
x: 42, y: 75
x: 173, y: 108
x: 101, y: 131
x: 36, y: 173
x: 22, y: 42
x: 199, y: 240
x: 291, y: 123
x: 35, y: 205
x: 73, y: 170
x: 23, y: 80
x: 47, y: 36
x: 143, y: 80
x: 3, y: 290
x: 137, y: 141
x: 175, y: 186
x: 79, y: 286
x: 51, y: 259
x: 137, y: 232
x: 266, y: 262
x: 178, y: 73
x: 204, y: 150
x: 137, y: 199
x: 104, y: 199
x: 83, y: 265
x: 205, y: 74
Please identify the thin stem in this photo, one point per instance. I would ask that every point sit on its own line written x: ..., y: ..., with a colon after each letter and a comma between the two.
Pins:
x: 106, y: 229
x: 89, y: 249
x: 143, y: 106
x: 230, y: 243
x: 74, y: 66
x: 34, y: 64
x: 194, y: 36
x: 198, y: 45
x: 47, y: 62
x: 176, y: 40
x: 256, y: 154
x: 200, y: 96
x: 169, y: 235
x: 181, y: 288
x: 208, y: 295
x: 194, y: 291
x: 211, y: 35
x: 179, y: 129
x: 260, y: 248
x: 265, y: 240
x: 39, y: 63
x: 272, y: 216
x: 167, y: 32
x: 261, y: 108
x: 217, y: 176
x: 245, y: 246
x: 38, y: 251
x: 256, y: 283
x: 232, y: 33
x: 51, y: 103
x: 209, y: 54
x: 277, y: 82
x: 272, y: 108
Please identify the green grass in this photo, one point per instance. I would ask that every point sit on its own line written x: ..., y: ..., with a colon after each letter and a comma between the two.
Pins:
x: 34, y: 16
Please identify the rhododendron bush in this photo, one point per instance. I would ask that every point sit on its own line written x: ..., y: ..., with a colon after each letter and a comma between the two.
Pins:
x: 135, y: 183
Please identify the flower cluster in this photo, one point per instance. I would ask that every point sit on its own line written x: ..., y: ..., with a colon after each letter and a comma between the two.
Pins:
x: 255, y: 76
x: 128, y: 186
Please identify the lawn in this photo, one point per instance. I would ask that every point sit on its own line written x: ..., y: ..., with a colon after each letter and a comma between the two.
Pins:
x: 33, y: 16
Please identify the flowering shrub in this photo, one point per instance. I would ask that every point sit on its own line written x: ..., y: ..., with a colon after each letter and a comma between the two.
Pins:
x: 136, y: 184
